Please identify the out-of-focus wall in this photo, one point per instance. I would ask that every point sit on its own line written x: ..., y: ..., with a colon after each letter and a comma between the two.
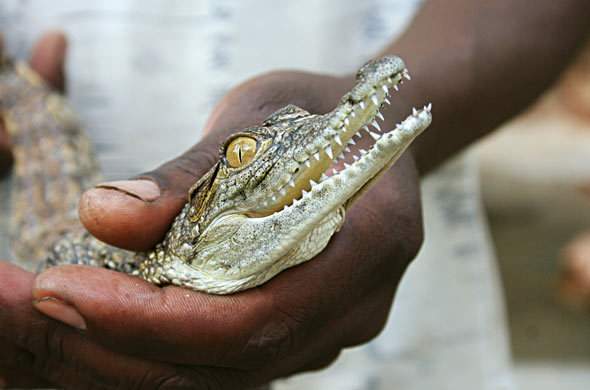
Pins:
x: 536, y: 187
x: 549, y: 145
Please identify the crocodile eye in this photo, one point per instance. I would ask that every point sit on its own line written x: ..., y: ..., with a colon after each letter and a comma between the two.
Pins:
x: 240, y: 151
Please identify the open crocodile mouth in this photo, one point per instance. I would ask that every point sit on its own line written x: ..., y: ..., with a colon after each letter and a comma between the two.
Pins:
x: 337, y: 149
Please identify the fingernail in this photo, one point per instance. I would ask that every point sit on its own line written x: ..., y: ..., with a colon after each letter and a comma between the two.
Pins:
x: 60, y: 311
x: 145, y: 190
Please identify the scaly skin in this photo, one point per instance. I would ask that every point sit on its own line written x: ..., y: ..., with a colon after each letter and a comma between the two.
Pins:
x: 265, y: 206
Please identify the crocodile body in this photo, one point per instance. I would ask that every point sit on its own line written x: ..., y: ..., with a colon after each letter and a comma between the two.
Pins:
x: 268, y: 204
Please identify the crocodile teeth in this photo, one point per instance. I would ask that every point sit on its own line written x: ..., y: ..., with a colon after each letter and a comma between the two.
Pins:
x: 414, y: 112
x: 428, y: 107
x: 385, y: 88
x: 317, y: 156
x: 329, y: 152
x: 338, y: 140
x: 352, y: 141
x: 396, y: 87
x: 313, y: 183
x: 307, y: 163
x: 380, y: 116
x: 362, y: 105
x: 386, y: 100
x: 375, y: 100
x: 376, y: 125
x: 375, y: 136
x: 347, y: 149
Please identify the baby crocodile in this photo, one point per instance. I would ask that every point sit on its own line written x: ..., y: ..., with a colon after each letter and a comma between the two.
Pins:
x: 269, y: 203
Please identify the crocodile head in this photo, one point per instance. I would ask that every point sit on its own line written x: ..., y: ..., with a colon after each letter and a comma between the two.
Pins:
x: 274, y: 198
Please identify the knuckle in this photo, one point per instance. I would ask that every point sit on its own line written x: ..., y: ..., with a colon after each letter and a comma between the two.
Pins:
x: 46, y: 345
x: 200, y: 379
x: 323, y: 362
x: 414, y: 239
x: 175, y: 379
x: 274, y: 340
x: 165, y: 382
x: 366, y: 331
x: 49, y: 357
x: 48, y: 353
x: 171, y: 382
x: 409, y: 237
x: 371, y: 331
x: 55, y: 342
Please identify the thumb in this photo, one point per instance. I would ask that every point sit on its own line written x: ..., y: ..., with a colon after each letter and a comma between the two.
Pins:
x: 135, y: 214
x: 48, y: 59
x: 127, y: 314
x: 6, y: 158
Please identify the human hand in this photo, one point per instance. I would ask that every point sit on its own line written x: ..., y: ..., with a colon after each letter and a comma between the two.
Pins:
x: 574, y: 284
x: 47, y: 60
x: 16, y: 285
x: 134, y: 333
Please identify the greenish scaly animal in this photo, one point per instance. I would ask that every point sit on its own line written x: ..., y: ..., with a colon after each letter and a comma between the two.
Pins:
x: 266, y: 205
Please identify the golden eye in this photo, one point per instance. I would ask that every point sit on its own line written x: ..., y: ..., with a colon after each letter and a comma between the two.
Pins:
x: 240, y: 151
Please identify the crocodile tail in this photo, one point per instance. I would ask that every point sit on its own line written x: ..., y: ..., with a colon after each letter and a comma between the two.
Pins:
x: 54, y: 162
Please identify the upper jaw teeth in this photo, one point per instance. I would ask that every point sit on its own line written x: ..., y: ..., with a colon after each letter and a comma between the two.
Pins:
x: 340, y: 122
x: 387, y: 149
x: 420, y: 115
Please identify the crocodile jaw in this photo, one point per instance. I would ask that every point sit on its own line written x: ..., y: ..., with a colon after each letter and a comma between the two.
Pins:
x: 356, y: 115
x: 256, y: 249
x: 238, y: 250
x: 295, y: 221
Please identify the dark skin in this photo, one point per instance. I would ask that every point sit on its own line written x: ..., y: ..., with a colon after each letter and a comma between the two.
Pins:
x: 478, y: 62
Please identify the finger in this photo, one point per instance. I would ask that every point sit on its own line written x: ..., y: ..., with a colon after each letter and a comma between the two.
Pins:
x: 204, y: 335
x: 48, y: 58
x: 135, y: 214
x: 14, y: 378
x: 188, y: 327
x: 182, y: 326
x: 6, y: 158
x: 66, y: 357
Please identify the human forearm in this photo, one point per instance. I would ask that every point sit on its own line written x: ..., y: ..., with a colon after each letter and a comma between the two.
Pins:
x: 482, y: 62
